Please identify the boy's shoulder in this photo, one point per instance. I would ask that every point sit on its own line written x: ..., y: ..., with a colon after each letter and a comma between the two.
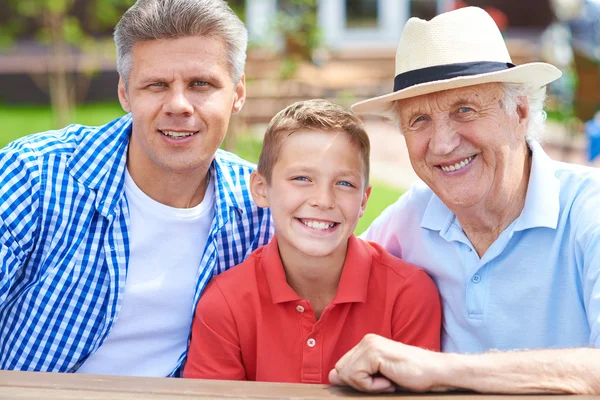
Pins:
x: 384, y: 262
x: 236, y: 280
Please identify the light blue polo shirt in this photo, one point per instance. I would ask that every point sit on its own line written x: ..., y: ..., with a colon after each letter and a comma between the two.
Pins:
x: 537, y: 286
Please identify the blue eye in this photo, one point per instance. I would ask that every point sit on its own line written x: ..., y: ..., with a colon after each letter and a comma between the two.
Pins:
x: 199, y: 83
x: 464, y: 109
x: 300, y: 178
x: 345, y: 183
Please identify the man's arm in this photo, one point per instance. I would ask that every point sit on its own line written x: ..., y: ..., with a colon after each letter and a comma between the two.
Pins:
x: 574, y: 371
x: 19, y: 201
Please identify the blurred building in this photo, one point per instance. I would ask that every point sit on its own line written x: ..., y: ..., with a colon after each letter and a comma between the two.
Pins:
x: 355, y: 59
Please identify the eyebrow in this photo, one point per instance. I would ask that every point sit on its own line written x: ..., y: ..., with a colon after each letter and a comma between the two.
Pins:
x: 463, y: 100
x: 301, y: 169
x: 194, y: 78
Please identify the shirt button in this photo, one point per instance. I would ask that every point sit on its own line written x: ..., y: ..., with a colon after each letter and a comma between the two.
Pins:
x: 299, y: 308
x: 476, y: 278
x: 311, y: 342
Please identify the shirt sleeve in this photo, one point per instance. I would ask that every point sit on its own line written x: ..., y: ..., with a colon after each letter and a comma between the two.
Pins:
x: 214, y: 351
x: 417, y: 315
x: 19, y: 188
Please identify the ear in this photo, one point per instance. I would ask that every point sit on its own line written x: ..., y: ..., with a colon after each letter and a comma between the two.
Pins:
x: 365, y: 200
x: 523, y: 110
x: 239, y: 97
x: 259, y: 189
x: 123, y: 95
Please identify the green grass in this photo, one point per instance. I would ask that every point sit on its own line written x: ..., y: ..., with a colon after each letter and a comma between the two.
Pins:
x: 20, y: 121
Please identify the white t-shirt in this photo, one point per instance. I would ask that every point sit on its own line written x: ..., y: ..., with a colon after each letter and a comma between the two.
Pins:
x: 153, y: 325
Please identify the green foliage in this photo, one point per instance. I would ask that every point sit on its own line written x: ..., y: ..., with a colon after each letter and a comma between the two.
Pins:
x: 18, y: 121
x: 239, y: 8
x: 60, y: 29
x: 296, y: 22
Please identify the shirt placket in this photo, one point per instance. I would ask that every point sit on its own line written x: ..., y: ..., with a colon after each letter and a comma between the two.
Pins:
x: 312, y: 343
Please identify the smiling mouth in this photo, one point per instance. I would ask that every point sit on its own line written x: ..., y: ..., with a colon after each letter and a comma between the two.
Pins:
x: 458, y: 166
x: 177, y: 135
x: 318, y: 225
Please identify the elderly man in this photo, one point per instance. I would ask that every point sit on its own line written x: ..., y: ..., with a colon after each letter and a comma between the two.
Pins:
x: 511, y: 237
x: 108, y: 235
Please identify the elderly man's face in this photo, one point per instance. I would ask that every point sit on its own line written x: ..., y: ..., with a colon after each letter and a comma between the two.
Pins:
x: 463, y: 143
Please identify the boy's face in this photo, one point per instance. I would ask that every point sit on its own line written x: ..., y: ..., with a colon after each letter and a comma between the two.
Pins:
x: 317, y: 193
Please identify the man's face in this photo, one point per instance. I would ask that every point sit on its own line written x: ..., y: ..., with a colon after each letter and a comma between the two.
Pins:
x: 463, y: 143
x: 317, y: 193
x: 181, y: 96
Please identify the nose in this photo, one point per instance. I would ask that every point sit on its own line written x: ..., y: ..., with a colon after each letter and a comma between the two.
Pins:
x: 322, y: 197
x: 444, y: 138
x: 177, y: 103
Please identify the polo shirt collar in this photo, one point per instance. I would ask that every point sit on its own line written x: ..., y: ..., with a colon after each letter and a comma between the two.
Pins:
x: 542, y: 202
x: 353, y: 282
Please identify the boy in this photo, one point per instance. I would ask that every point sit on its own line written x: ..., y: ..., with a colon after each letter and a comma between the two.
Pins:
x: 296, y: 305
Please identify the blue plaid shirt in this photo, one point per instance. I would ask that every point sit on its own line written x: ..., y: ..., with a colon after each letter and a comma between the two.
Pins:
x: 64, y: 244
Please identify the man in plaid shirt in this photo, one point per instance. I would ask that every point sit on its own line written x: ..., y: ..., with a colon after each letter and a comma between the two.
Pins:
x: 109, y: 234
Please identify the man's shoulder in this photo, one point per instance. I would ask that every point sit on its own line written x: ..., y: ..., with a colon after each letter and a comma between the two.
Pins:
x: 413, y: 203
x: 576, y: 174
x: 235, y: 172
x: 54, y: 142
x: 233, y: 163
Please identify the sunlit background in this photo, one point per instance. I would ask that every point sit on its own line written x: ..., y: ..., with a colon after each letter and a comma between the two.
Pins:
x: 57, y: 66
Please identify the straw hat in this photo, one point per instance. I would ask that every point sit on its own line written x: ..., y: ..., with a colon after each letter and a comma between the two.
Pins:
x: 459, y: 48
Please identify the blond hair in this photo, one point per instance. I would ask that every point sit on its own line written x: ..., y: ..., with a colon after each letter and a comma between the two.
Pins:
x: 312, y: 115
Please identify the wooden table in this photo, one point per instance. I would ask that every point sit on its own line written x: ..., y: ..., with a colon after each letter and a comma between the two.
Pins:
x: 37, y: 385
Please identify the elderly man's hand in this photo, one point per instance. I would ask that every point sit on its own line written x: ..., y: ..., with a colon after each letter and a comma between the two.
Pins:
x: 378, y: 364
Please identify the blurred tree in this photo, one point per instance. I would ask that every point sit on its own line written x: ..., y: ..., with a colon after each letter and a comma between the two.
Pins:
x: 297, y: 23
x: 63, y: 30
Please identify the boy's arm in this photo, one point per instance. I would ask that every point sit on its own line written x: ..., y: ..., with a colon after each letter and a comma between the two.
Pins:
x: 214, y: 351
x: 417, y: 315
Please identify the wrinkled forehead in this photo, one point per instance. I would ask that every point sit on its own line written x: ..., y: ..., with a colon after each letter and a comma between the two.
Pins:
x: 482, y: 94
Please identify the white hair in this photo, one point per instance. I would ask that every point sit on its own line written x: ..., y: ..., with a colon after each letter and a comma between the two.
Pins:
x: 536, y: 97
x: 172, y: 19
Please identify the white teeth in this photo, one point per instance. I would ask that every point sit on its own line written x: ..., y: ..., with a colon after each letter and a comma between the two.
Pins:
x: 458, y: 165
x: 321, y: 226
x: 177, y: 135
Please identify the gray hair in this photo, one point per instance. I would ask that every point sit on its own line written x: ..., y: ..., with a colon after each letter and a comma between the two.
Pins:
x: 513, y: 94
x: 172, y: 19
x: 536, y: 97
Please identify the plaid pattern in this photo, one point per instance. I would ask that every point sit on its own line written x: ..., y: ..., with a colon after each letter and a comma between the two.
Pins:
x: 64, y: 244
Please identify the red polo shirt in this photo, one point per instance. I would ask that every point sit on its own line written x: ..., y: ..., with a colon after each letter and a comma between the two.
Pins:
x: 251, y: 325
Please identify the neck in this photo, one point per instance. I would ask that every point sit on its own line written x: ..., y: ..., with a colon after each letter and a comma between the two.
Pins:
x: 174, y: 189
x: 484, y: 222
x: 315, y: 279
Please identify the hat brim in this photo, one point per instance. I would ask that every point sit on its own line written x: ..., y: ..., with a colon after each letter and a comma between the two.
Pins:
x: 536, y: 74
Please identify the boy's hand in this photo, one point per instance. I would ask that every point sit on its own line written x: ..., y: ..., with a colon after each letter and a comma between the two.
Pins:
x: 377, y: 364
